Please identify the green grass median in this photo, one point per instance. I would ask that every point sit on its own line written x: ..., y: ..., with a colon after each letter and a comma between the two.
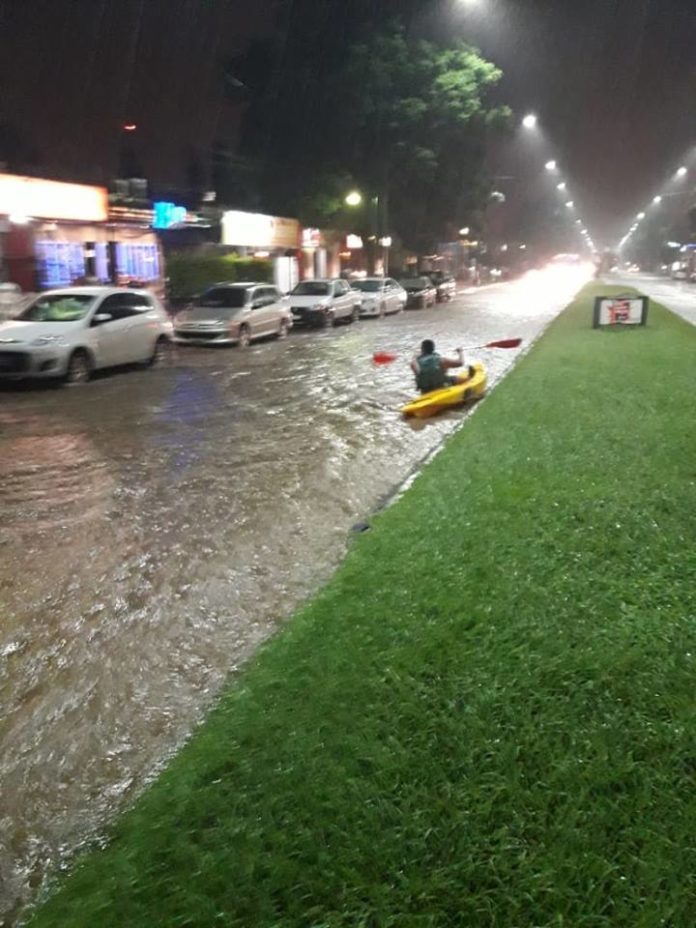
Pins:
x: 487, y: 717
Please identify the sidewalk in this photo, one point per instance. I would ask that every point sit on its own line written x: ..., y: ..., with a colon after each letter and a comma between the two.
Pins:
x: 487, y: 718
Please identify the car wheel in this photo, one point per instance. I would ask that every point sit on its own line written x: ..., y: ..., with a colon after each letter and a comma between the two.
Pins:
x: 79, y: 368
x: 283, y: 329
x: 159, y: 353
x: 244, y: 337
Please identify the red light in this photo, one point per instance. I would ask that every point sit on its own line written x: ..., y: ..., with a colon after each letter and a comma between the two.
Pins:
x: 129, y: 127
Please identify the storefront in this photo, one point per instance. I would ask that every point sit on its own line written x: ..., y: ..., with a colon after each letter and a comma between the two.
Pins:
x: 54, y: 234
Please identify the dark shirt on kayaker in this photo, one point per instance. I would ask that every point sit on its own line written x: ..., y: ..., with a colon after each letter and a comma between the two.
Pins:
x: 431, y: 373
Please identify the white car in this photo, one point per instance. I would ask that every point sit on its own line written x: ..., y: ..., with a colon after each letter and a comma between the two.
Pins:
x: 233, y: 314
x: 70, y: 333
x: 324, y: 302
x: 380, y: 296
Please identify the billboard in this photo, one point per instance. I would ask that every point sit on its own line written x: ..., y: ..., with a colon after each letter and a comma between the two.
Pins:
x: 29, y: 197
x: 255, y: 230
x: 620, y: 310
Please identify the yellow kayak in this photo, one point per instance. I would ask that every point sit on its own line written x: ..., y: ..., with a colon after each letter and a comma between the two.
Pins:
x: 468, y: 388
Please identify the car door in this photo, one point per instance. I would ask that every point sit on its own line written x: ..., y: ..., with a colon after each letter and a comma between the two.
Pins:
x: 272, y: 309
x: 344, y: 299
x: 261, y: 312
x: 391, y: 296
x: 109, y: 337
x: 140, y: 336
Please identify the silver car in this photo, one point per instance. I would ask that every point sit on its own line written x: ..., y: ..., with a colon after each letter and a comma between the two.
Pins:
x: 233, y: 314
x: 70, y: 333
x: 380, y: 296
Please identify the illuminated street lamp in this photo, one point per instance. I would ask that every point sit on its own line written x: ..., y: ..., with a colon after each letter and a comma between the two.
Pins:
x: 530, y: 121
x: 657, y: 200
x: 354, y: 198
x: 682, y: 172
x: 561, y: 186
x: 640, y: 216
x: 570, y: 204
x: 465, y: 231
x: 551, y: 165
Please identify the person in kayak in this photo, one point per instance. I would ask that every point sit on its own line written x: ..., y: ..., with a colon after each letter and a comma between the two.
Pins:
x: 431, y: 368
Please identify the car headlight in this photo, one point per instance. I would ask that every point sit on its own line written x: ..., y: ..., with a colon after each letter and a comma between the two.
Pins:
x: 44, y: 340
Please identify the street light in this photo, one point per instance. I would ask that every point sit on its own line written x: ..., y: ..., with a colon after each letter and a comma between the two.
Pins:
x: 551, y: 165
x: 530, y: 121
x: 570, y: 204
x: 465, y: 230
x: 561, y: 186
x: 640, y: 216
x: 657, y: 200
x: 682, y: 172
x: 354, y: 198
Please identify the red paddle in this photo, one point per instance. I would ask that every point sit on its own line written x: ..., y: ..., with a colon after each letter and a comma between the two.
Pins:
x: 386, y: 357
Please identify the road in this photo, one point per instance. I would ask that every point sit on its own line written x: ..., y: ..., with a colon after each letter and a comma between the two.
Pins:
x: 158, y: 525
x: 677, y: 295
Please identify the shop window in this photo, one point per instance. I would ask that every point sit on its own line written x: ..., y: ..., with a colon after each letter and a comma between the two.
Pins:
x: 60, y: 263
x: 137, y: 261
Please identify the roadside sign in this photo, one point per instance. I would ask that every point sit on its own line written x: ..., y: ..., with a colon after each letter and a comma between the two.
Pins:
x: 620, y: 310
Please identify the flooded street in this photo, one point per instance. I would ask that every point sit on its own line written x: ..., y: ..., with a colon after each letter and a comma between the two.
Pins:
x: 157, y: 525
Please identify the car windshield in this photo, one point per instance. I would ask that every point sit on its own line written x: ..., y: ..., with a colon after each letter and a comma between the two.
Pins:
x: 311, y: 288
x: 368, y: 286
x: 58, y: 307
x: 222, y: 298
x: 415, y: 283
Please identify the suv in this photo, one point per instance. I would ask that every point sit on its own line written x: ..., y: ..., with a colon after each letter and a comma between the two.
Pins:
x: 233, y: 314
x: 324, y: 302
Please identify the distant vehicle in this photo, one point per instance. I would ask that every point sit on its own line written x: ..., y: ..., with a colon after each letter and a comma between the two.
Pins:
x: 420, y: 290
x: 445, y: 286
x: 380, y: 296
x: 233, y: 314
x: 320, y: 303
x: 680, y: 271
x: 72, y: 332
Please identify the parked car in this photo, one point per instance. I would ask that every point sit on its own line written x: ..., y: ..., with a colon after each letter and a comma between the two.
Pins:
x: 324, y: 302
x: 70, y: 333
x: 445, y: 286
x: 380, y: 296
x: 233, y: 314
x: 12, y: 300
x: 420, y: 290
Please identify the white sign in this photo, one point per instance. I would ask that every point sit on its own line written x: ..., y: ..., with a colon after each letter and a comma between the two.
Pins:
x: 49, y: 199
x: 254, y: 230
x: 620, y: 311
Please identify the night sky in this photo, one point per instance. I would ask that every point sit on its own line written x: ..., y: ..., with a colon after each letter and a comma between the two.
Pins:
x: 613, y: 82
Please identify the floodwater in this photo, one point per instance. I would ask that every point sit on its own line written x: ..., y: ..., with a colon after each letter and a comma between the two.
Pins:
x: 677, y: 295
x: 157, y: 525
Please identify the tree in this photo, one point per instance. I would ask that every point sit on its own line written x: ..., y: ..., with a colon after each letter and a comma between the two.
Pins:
x: 418, y: 115
x: 402, y: 119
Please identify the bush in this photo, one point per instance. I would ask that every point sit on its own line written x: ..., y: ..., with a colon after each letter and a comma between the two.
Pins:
x: 189, y: 274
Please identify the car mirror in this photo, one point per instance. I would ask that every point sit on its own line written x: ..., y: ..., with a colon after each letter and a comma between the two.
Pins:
x: 101, y: 318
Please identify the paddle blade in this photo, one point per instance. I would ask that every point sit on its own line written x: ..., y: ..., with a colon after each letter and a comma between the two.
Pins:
x: 384, y: 357
x: 505, y: 343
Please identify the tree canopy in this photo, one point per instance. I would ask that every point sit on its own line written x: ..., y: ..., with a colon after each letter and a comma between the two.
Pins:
x: 401, y: 119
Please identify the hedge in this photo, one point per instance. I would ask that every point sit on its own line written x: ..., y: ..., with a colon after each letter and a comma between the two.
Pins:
x: 189, y: 274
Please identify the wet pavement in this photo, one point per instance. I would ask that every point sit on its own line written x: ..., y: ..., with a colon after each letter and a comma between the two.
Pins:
x: 157, y: 525
x: 677, y: 295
